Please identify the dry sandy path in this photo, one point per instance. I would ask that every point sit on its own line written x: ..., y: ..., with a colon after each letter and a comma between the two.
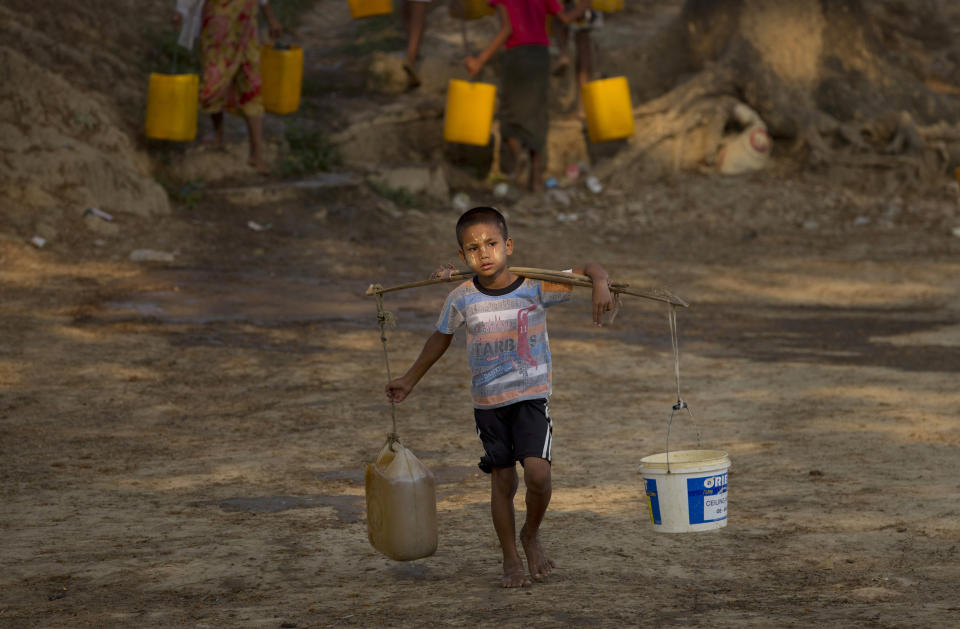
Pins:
x: 185, y: 444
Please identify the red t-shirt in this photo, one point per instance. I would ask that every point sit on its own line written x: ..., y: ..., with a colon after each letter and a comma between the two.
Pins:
x: 528, y: 19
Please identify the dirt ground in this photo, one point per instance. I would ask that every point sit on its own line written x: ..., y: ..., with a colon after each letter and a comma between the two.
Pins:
x: 184, y: 443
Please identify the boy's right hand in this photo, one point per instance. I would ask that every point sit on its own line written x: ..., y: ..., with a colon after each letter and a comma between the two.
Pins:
x: 398, y: 390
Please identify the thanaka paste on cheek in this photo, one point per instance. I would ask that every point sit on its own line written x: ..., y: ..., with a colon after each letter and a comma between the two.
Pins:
x: 472, y: 257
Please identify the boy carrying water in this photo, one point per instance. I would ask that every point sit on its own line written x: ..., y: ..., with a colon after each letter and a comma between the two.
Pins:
x: 509, y: 355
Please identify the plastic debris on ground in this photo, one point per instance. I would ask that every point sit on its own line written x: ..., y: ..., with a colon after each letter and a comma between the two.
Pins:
x: 95, y: 211
x: 594, y: 185
x: 748, y: 150
x: 461, y: 201
x: 557, y: 195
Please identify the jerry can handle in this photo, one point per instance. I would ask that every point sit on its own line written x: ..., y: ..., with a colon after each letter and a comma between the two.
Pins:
x: 284, y: 42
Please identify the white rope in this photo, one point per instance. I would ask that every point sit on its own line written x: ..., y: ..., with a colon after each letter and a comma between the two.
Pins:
x: 674, y: 341
x: 680, y: 405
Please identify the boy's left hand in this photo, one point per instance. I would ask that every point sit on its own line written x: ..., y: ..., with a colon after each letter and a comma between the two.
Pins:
x: 602, y: 301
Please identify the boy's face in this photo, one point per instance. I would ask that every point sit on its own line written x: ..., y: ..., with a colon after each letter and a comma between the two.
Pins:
x: 485, y: 250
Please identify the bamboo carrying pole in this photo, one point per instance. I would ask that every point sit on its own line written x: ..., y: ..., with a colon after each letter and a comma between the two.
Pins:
x: 540, y: 274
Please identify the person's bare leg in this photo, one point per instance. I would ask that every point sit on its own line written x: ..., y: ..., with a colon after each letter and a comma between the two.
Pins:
x: 405, y: 12
x: 416, y: 17
x: 536, y: 178
x: 584, y: 66
x: 417, y: 14
x: 215, y: 137
x: 516, y: 151
x: 536, y: 476
x: 503, y: 487
x: 563, y: 60
x: 255, y: 130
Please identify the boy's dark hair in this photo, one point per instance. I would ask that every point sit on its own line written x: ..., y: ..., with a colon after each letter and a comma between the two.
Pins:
x: 481, y: 214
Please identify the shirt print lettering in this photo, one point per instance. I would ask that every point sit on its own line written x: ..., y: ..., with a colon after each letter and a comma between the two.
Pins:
x: 507, y: 344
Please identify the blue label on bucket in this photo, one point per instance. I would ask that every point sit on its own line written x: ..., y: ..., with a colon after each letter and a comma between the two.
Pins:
x: 707, y: 498
x: 653, y: 502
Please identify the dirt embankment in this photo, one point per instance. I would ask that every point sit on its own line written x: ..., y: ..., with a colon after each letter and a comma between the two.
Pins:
x: 72, y: 99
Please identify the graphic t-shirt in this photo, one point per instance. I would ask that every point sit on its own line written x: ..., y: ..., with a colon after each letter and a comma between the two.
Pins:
x: 507, y: 344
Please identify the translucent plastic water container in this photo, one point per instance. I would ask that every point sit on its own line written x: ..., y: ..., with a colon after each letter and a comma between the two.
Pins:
x: 172, y: 107
x: 281, y: 70
x: 369, y: 8
x: 469, y: 113
x: 609, y: 111
x: 401, y: 504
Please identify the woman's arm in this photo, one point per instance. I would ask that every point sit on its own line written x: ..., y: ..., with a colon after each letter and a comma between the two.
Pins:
x: 475, y: 64
x: 575, y: 13
x: 183, y: 9
x: 274, y: 25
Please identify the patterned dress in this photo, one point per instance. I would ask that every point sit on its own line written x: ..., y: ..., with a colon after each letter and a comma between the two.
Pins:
x: 230, y: 54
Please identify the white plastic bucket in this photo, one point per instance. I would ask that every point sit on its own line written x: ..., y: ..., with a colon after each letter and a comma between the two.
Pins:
x: 690, y: 495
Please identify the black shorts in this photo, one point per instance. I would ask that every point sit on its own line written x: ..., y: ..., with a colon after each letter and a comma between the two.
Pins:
x: 513, y: 432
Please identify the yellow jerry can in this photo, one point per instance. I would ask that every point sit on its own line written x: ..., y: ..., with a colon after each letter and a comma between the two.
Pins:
x: 369, y: 8
x: 470, y: 9
x: 607, y: 6
x: 281, y: 71
x: 608, y: 108
x: 401, y: 504
x: 469, y: 113
x: 172, y: 107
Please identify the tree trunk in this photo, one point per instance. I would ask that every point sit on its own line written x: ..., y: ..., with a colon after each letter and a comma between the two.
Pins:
x: 832, y: 80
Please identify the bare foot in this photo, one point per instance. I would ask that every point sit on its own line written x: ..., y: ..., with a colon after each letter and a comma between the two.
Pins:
x: 513, y: 576
x: 537, y: 561
x: 258, y: 166
x: 212, y: 139
x: 521, y: 169
x: 413, y: 79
